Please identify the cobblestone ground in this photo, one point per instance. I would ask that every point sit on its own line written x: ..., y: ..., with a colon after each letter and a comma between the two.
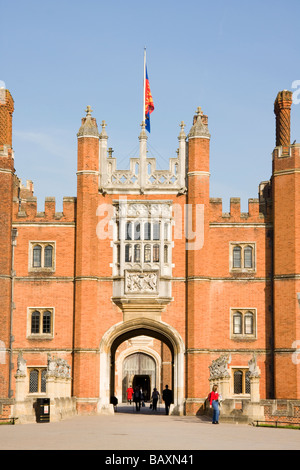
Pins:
x: 146, y: 430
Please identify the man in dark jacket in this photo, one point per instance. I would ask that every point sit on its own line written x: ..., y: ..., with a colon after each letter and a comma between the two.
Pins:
x: 167, y: 398
x: 137, y: 398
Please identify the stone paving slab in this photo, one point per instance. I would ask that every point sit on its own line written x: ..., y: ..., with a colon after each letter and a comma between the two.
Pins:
x: 129, y: 431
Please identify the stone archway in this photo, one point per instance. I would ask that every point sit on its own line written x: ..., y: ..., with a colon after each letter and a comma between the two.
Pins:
x: 125, y: 378
x: 140, y: 326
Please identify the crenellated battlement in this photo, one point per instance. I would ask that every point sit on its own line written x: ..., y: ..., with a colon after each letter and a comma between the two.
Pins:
x: 258, y: 212
x: 25, y: 205
x: 27, y: 210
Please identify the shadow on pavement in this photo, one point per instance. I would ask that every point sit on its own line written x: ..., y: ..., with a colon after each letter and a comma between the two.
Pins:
x: 145, y: 410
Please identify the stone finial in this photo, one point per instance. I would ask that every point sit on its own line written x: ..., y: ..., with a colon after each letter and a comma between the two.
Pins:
x: 143, y: 132
x: 199, y: 129
x: 103, y: 134
x: 89, y: 126
x: 88, y: 111
x: 182, y: 133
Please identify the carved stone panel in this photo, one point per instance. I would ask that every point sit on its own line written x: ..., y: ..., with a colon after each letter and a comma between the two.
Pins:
x: 141, y: 282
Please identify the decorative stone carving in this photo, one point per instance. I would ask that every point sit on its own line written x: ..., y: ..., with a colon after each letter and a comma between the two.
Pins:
x: 141, y: 283
x: 58, y: 368
x: 21, y: 364
x: 140, y: 210
x: 218, y: 368
x: 253, y: 369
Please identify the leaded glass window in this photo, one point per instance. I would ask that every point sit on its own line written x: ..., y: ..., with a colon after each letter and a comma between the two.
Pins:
x: 35, y: 322
x: 33, y: 381
x: 237, y: 257
x: 248, y: 263
x: 156, y: 254
x: 37, y: 256
x: 238, y: 381
x: 48, y: 256
x: 47, y: 322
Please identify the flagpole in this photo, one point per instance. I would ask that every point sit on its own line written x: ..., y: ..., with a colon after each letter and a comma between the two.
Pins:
x: 144, y: 86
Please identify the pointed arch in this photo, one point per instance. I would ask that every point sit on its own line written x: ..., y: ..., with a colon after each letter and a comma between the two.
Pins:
x: 118, y: 333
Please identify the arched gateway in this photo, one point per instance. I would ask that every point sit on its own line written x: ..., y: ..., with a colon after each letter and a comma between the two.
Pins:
x: 129, y: 329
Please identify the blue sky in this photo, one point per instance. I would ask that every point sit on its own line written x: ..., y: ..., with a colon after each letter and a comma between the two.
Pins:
x: 231, y: 58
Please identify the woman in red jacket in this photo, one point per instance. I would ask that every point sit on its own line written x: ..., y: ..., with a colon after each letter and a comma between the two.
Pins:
x: 214, y: 403
x: 129, y: 393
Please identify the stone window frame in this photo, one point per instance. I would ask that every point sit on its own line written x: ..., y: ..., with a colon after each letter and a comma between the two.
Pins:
x: 39, y: 370
x: 242, y: 245
x: 244, y: 370
x: 243, y: 335
x: 43, y: 245
x: 40, y: 335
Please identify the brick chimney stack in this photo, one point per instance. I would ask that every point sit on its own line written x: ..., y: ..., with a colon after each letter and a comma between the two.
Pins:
x: 282, y: 110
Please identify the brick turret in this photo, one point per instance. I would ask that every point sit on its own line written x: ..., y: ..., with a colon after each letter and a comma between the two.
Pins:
x: 87, y: 259
x: 197, y: 248
x: 6, y: 197
x: 286, y: 219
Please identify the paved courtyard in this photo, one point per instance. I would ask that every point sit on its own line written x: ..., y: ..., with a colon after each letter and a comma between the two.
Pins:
x: 128, y: 430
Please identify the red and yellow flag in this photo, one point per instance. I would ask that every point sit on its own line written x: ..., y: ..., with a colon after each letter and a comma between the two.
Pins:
x: 149, y: 105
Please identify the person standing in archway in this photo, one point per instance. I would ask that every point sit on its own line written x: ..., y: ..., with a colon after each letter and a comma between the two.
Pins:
x: 137, y: 398
x: 167, y: 398
x: 129, y: 393
x: 155, y: 396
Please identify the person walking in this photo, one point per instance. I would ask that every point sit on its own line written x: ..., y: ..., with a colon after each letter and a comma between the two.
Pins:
x: 129, y: 393
x: 155, y: 396
x: 167, y: 398
x: 137, y: 398
x: 213, y: 398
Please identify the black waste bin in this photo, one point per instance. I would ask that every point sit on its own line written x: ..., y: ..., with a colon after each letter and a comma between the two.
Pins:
x: 43, y: 410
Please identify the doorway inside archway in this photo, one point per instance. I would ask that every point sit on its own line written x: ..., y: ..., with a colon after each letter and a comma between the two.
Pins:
x: 138, y: 369
x: 143, y: 383
x: 144, y: 358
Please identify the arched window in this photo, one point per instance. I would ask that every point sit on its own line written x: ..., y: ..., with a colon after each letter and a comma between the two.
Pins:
x: 128, y: 231
x: 34, y: 381
x: 147, y: 254
x: 127, y: 253
x: 147, y: 231
x: 156, y: 254
x: 137, y: 231
x: 166, y: 231
x: 37, y: 256
x: 249, y: 323
x: 237, y: 323
x: 47, y: 322
x: 166, y: 254
x: 156, y: 230
x: 247, y: 382
x: 43, y: 380
x: 137, y: 253
x: 237, y: 252
x: 248, y: 257
x: 48, y: 256
x: 238, y: 382
x: 35, y: 322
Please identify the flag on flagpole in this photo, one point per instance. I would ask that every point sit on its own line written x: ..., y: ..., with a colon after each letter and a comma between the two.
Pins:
x: 148, y: 101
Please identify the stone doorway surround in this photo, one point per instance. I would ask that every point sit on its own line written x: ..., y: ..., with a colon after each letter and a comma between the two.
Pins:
x: 135, y: 327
